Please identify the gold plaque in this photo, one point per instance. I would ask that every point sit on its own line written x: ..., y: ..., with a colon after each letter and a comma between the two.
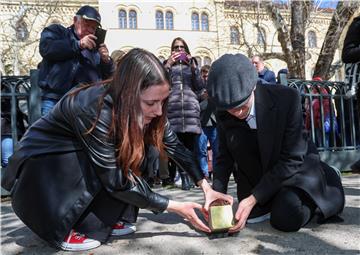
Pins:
x: 220, y: 216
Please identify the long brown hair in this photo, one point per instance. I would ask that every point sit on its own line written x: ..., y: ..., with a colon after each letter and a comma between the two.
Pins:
x: 136, y: 71
x: 186, y: 47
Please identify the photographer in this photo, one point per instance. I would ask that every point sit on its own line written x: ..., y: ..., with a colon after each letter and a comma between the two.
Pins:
x: 183, y: 106
x: 71, y: 56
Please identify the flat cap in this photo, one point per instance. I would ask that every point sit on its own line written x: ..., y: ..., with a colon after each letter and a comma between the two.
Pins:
x: 231, y: 80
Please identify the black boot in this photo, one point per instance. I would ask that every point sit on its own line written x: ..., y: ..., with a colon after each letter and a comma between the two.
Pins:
x: 185, y: 181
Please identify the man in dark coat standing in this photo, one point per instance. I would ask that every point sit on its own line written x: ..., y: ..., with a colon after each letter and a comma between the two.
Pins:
x: 72, y: 56
x: 262, y: 142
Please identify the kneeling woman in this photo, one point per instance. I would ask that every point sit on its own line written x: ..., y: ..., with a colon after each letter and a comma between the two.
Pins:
x: 79, y: 169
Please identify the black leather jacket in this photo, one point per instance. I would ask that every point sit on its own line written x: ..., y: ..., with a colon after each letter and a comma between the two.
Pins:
x: 63, y: 131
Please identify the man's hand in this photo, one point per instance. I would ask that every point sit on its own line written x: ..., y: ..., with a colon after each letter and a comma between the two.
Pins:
x: 187, y: 210
x: 212, y: 195
x: 242, y: 213
x: 104, y: 53
x: 88, y: 42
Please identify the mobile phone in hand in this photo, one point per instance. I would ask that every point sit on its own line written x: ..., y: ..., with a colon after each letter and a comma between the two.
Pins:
x: 100, y: 34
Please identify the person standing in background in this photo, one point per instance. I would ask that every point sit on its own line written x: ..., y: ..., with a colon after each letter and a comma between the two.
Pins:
x: 71, y: 56
x: 184, y: 109
x: 266, y: 76
x: 208, y: 126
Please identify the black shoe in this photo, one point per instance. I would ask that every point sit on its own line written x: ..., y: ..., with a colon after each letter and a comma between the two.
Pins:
x: 168, y: 183
x: 185, y: 181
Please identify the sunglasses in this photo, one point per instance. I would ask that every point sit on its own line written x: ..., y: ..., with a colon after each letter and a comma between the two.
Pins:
x: 179, y: 47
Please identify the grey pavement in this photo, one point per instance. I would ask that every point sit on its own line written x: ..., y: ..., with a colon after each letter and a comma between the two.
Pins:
x: 168, y: 233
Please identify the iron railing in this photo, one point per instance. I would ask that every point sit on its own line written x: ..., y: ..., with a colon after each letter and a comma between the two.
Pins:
x: 320, y: 99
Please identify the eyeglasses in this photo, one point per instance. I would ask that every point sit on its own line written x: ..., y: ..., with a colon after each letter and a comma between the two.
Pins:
x: 179, y: 47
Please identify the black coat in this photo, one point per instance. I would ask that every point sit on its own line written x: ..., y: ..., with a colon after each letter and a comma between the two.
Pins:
x: 51, y: 196
x: 283, y: 145
x: 351, y: 49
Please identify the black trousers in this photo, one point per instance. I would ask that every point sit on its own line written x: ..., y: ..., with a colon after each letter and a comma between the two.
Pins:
x: 104, y: 211
x: 291, y: 209
x: 188, y: 140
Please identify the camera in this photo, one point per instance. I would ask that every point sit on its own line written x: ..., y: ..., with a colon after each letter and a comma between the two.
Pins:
x: 100, y: 34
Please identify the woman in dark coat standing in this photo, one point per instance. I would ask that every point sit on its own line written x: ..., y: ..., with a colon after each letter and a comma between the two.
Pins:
x: 79, y: 169
x: 184, y: 108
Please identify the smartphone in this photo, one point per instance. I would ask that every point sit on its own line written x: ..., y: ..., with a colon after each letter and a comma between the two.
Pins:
x: 100, y: 34
x: 183, y: 57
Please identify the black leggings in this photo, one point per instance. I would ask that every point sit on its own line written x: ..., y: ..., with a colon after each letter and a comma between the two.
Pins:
x: 291, y: 209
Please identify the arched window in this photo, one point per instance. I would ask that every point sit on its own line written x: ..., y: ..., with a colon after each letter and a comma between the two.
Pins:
x: 169, y: 19
x: 159, y: 19
x: 234, y: 35
x: 122, y: 19
x: 22, y: 32
x: 312, y: 39
x: 261, y: 36
x: 132, y: 19
x: 198, y: 60
x: 207, y: 61
x: 204, y: 22
x: 195, y: 21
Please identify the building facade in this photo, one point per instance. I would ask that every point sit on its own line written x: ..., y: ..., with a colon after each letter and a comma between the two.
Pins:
x: 211, y: 28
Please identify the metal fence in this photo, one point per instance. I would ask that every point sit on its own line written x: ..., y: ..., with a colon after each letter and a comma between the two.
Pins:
x: 331, y: 118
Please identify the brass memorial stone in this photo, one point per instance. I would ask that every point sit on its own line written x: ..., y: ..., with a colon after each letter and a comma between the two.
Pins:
x: 220, y: 216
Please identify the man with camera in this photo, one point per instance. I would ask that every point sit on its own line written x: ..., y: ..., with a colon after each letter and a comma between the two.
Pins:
x: 72, y: 55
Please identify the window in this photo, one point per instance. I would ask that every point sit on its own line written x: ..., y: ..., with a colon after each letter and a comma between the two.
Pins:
x: 234, y: 35
x: 195, y: 21
x: 122, y: 19
x: 198, y: 61
x: 159, y: 19
x: 204, y: 22
x: 132, y: 19
x: 207, y: 61
x: 169, y: 19
x: 312, y: 39
x: 261, y: 36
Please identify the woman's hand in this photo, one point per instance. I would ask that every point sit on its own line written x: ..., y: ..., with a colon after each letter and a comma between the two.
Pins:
x: 187, y: 210
x: 242, y: 213
x: 212, y: 195
x: 172, y: 59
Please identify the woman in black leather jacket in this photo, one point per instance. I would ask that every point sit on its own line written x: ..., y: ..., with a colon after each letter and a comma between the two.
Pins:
x: 79, y: 169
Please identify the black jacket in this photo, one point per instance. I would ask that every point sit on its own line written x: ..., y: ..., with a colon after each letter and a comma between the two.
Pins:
x: 86, y: 164
x: 351, y: 49
x: 283, y: 146
x: 65, y: 65
x: 183, y: 106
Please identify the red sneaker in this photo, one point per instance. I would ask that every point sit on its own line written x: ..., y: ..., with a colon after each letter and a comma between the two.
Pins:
x: 78, y: 242
x: 123, y: 228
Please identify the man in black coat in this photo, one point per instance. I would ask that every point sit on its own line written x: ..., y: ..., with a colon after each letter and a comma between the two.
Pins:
x: 262, y: 142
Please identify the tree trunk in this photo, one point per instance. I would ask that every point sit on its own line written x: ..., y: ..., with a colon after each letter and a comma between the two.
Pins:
x: 298, y: 38
x: 342, y: 15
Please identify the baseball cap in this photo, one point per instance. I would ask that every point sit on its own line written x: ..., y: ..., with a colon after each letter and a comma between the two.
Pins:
x: 89, y: 13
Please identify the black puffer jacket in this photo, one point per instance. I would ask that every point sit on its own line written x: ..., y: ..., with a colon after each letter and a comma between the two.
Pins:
x: 59, y: 191
x: 351, y: 50
x: 184, y: 109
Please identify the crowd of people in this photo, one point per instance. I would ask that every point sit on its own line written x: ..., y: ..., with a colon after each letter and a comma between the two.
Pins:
x: 110, y: 123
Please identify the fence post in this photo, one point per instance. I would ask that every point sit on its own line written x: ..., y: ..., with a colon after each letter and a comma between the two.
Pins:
x: 34, y: 97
